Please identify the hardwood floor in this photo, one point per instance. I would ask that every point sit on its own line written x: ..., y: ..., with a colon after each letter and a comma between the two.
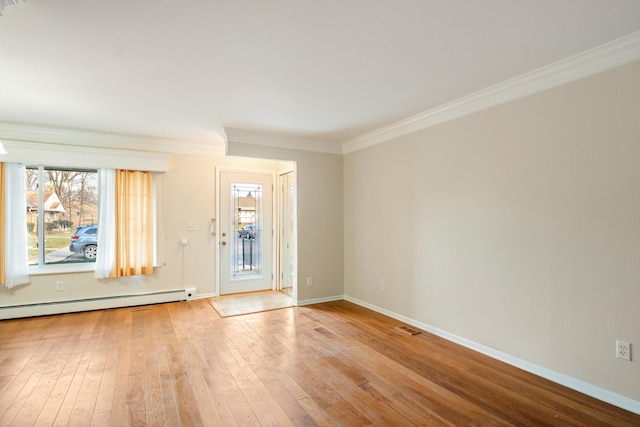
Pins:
x: 327, y: 364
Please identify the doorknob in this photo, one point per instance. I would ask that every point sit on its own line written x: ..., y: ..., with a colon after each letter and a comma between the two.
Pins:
x: 223, y: 243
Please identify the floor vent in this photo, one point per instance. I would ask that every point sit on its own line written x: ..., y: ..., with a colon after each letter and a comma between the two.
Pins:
x: 408, y: 330
x: 142, y: 307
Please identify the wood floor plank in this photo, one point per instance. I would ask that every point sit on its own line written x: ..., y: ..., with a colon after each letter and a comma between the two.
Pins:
x: 69, y: 400
x: 135, y: 408
x: 187, y: 409
x: 289, y: 405
x: 240, y: 409
x: 104, y: 399
x: 218, y: 400
x: 245, y: 386
x: 319, y: 416
x: 32, y: 408
x: 17, y: 403
x: 84, y: 406
x: 204, y: 399
x: 118, y: 415
x: 28, y: 361
x: 169, y: 398
x: 53, y: 402
x: 101, y: 419
x: 153, y: 385
x: 264, y: 404
x: 330, y: 364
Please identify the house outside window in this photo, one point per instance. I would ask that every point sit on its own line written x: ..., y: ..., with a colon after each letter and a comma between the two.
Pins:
x: 64, y: 231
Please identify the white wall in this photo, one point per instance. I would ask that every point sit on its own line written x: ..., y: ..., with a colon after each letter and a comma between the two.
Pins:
x: 517, y: 227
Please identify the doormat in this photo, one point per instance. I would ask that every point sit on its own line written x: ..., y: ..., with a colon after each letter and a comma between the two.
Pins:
x: 252, y: 302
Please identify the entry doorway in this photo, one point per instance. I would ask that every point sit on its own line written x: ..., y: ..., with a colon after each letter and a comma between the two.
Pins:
x: 246, y: 241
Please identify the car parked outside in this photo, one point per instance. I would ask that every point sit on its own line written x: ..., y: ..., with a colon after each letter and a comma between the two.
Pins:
x: 85, y: 241
x: 248, y: 232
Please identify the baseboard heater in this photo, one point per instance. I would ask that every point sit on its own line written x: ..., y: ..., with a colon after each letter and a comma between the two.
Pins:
x: 72, y: 306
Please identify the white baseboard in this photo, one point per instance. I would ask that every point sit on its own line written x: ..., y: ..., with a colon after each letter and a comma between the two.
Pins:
x: 300, y: 303
x: 565, y: 380
x: 208, y: 295
x: 45, y: 309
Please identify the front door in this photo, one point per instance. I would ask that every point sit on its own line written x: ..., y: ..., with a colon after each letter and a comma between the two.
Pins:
x: 246, y: 232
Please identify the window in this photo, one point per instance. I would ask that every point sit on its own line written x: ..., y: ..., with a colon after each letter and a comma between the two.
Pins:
x: 247, y: 219
x: 62, y: 215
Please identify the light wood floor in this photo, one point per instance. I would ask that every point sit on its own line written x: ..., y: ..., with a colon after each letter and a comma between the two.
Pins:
x: 328, y: 364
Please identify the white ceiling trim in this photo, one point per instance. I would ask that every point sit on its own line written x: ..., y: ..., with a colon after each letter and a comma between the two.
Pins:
x: 81, y: 138
x: 38, y: 153
x: 604, y: 57
x: 276, y: 140
x: 601, y: 58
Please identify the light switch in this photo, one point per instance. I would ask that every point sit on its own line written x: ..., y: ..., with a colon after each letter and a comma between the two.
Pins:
x: 192, y: 226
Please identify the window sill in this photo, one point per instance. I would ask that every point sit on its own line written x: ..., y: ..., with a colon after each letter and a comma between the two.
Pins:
x: 61, y: 268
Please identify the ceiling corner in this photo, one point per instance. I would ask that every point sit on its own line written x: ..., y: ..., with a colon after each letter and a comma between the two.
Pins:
x: 272, y: 139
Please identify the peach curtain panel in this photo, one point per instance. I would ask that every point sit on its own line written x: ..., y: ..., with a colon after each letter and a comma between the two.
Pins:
x: 3, y: 277
x: 134, y: 223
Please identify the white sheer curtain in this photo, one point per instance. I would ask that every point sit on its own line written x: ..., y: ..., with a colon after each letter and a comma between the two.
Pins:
x: 106, y: 223
x: 15, y: 239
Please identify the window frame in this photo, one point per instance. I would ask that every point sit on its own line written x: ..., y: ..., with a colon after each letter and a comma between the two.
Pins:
x: 41, y: 267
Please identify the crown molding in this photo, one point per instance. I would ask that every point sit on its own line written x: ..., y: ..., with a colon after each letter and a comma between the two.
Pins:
x: 103, y: 140
x: 601, y: 58
x: 34, y: 153
x: 276, y: 140
x: 598, y: 59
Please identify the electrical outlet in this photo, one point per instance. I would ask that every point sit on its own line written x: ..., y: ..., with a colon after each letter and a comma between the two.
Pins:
x: 623, y: 350
x: 59, y: 286
x: 309, y: 281
x: 383, y: 286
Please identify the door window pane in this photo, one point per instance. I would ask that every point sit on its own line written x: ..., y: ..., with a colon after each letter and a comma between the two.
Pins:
x: 247, y: 223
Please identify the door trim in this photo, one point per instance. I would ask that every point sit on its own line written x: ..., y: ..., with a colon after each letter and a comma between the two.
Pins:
x: 272, y: 174
x: 281, y: 195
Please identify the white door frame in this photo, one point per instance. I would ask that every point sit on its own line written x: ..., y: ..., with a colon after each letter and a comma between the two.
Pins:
x: 295, y: 229
x: 219, y: 170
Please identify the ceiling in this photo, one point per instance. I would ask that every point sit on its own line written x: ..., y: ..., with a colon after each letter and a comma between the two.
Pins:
x: 325, y: 71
